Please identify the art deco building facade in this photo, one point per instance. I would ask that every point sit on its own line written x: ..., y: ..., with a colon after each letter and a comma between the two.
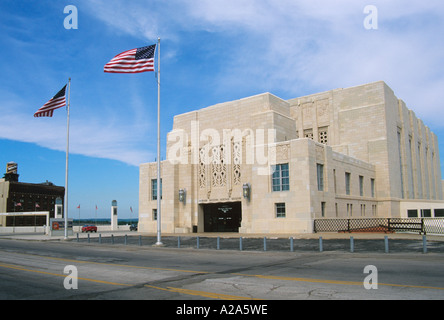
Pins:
x: 266, y: 165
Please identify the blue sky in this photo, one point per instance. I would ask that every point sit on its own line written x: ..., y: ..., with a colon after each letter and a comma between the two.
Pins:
x: 212, y: 51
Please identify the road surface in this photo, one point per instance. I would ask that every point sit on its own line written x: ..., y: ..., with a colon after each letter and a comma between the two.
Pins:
x: 51, y: 270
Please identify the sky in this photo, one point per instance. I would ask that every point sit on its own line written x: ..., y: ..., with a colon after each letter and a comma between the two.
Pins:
x: 212, y: 51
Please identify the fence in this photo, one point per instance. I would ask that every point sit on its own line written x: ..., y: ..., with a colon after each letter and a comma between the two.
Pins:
x: 386, y: 225
x: 383, y: 244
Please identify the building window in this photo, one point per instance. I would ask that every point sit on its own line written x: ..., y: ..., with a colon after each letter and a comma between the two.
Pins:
x: 323, y: 135
x: 426, y: 173
x: 361, y: 186
x: 439, y: 212
x: 372, y: 186
x: 320, y: 170
x: 411, y: 176
x: 308, y: 133
x: 334, y: 179
x: 154, y: 189
x: 322, y: 209
x: 362, y: 210
x: 347, y: 183
x: 280, y: 177
x: 419, y: 169
x: 154, y: 214
x: 349, y: 210
x: 412, y: 213
x: 400, y: 164
x: 280, y: 210
x: 426, y: 213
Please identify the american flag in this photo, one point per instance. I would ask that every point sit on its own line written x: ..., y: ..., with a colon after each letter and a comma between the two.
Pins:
x: 132, y: 61
x: 56, y: 102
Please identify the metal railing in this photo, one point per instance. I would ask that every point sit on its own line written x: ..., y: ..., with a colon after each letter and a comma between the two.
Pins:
x: 387, y: 225
x: 284, y: 244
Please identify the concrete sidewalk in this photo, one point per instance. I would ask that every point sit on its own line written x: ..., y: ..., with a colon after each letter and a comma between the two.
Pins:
x: 324, y: 235
x: 44, y: 237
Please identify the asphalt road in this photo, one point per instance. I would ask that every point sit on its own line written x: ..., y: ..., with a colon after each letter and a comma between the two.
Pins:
x: 34, y: 270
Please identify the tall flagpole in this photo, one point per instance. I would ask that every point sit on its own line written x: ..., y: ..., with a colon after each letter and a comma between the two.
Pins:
x: 66, y: 169
x: 159, y: 239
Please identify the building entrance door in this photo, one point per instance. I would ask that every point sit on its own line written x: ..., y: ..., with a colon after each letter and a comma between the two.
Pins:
x: 222, y: 217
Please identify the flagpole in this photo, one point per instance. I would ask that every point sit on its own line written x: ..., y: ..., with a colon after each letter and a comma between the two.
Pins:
x: 66, y: 169
x: 159, y: 239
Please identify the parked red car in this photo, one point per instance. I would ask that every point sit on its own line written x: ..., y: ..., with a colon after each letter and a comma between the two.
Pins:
x: 89, y: 228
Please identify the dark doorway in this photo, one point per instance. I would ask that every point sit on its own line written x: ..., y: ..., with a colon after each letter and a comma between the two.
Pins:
x: 222, y: 217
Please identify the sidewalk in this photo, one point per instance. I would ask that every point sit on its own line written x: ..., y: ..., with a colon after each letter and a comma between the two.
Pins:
x: 324, y: 235
x: 43, y: 237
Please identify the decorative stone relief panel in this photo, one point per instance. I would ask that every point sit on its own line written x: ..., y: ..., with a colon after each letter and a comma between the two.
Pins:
x: 202, y: 171
x: 218, y: 167
x: 213, y: 170
x: 153, y: 170
x: 323, y: 112
x: 237, y: 159
x: 320, y: 153
x: 282, y: 152
x: 307, y: 116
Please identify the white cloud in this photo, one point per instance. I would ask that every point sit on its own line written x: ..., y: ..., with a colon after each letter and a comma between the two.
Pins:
x: 287, y: 45
x: 322, y: 45
x: 92, y: 137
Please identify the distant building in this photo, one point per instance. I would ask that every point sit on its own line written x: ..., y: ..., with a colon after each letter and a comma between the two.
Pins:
x: 266, y: 165
x: 21, y: 197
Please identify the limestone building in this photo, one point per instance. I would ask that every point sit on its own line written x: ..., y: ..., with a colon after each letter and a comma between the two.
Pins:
x: 266, y: 165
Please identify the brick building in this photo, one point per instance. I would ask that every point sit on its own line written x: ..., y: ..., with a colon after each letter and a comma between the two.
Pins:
x: 20, y: 197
